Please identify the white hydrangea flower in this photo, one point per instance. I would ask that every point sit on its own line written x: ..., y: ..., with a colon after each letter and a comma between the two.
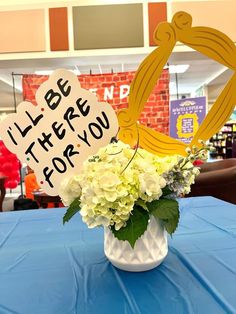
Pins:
x: 70, y: 189
x: 151, y: 186
x: 109, y: 181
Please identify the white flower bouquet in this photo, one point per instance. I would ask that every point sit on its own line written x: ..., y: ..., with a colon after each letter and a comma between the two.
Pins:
x: 121, y: 187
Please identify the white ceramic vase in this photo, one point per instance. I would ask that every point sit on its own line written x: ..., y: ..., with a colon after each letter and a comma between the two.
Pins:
x: 149, y: 250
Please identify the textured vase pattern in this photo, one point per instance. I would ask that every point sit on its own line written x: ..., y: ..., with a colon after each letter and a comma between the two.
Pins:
x: 149, y: 250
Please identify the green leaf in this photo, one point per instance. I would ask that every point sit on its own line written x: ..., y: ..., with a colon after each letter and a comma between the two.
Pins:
x: 170, y: 225
x: 166, y: 191
x: 72, y: 210
x: 168, y: 211
x: 135, y: 227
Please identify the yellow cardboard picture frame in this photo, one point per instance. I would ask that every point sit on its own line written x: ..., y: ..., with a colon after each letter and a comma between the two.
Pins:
x: 206, y: 40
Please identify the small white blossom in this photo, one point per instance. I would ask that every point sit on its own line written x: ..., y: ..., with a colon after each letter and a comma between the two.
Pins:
x: 188, y: 150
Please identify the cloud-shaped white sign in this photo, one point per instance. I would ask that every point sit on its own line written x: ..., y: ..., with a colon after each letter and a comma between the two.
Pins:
x: 55, y: 137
